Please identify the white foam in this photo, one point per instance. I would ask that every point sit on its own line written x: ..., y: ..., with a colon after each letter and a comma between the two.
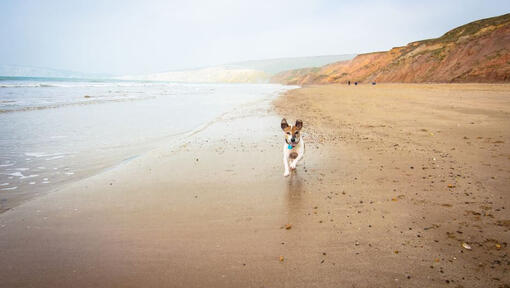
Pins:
x: 22, y: 169
x: 31, y: 183
x: 42, y: 154
x: 29, y: 176
x: 55, y: 157
x: 20, y: 175
x: 6, y: 165
x: 10, y: 188
x: 4, y: 184
x: 16, y: 174
x: 18, y: 85
x: 69, y: 173
x: 35, y: 154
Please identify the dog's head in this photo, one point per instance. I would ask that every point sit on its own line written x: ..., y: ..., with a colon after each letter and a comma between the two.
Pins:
x: 292, y: 135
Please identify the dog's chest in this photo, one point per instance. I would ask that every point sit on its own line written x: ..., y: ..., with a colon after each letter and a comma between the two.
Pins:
x: 293, y: 154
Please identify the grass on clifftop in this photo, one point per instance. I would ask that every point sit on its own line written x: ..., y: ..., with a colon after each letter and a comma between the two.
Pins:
x: 469, y: 29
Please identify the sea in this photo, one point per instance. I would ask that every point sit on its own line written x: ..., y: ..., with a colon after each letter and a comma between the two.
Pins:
x: 54, y: 131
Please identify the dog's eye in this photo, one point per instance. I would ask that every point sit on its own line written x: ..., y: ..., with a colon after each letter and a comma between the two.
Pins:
x: 288, y: 133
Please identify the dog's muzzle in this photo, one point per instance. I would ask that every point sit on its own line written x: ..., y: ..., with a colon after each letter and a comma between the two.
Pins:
x: 292, y: 143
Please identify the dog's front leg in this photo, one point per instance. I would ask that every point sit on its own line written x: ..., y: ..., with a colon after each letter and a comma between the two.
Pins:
x: 293, y: 164
x: 286, y: 164
x: 301, y: 152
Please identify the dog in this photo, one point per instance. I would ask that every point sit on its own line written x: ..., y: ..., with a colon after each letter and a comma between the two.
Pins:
x: 294, y: 146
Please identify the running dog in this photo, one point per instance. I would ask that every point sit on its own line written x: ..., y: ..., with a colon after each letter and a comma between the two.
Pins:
x: 294, y: 147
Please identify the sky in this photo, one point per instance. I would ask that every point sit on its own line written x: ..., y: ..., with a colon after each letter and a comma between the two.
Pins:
x: 137, y: 37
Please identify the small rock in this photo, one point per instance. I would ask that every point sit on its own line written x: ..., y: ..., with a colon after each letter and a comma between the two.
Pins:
x: 466, y: 246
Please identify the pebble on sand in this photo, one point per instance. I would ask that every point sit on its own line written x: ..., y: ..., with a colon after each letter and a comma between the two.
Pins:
x: 466, y: 246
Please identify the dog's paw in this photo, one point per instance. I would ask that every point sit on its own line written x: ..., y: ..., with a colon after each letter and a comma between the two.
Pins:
x: 286, y: 173
x: 292, y: 166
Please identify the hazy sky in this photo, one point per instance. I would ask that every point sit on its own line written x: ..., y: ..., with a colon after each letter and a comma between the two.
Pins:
x: 127, y: 37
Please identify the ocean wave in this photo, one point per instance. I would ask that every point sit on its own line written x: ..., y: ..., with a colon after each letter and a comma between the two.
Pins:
x: 46, y: 85
x: 60, y: 105
x: 18, y: 85
x: 83, y: 85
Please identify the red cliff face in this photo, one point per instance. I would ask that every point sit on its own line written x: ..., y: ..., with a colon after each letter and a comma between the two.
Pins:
x: 475, y: 52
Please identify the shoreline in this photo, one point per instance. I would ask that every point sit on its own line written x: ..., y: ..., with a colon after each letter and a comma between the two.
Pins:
x: 370, y: 205
x: 86, y: 161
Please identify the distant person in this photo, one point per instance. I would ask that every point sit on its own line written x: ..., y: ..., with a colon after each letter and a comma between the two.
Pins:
x: 349, y: 82
x: 373, y: 83
x: 356, y: 83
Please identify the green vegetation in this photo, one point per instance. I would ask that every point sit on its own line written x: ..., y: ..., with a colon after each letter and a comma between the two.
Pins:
x: 470, y: 29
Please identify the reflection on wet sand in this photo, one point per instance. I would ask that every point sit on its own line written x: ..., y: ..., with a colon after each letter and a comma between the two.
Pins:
x: 295, y: 185
x: 295, y: 196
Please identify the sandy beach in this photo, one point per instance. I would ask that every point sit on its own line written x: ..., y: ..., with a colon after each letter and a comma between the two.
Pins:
x: 395, y: 179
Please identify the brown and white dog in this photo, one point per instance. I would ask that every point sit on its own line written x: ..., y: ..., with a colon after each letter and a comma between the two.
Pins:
x: 294, y: 147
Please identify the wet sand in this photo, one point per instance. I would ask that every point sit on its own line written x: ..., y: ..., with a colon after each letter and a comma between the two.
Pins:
x: 395, y: 178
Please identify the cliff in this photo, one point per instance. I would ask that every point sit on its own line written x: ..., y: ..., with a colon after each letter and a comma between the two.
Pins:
x: 475, y: 52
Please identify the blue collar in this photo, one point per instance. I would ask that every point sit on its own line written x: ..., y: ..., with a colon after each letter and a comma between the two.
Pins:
x: 290, y: 147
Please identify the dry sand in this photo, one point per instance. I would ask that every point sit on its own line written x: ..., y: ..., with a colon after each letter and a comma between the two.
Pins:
x: 395, y: 178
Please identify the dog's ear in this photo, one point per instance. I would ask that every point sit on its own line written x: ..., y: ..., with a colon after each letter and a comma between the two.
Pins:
x: 284, y: 124
x: 299, y: 124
